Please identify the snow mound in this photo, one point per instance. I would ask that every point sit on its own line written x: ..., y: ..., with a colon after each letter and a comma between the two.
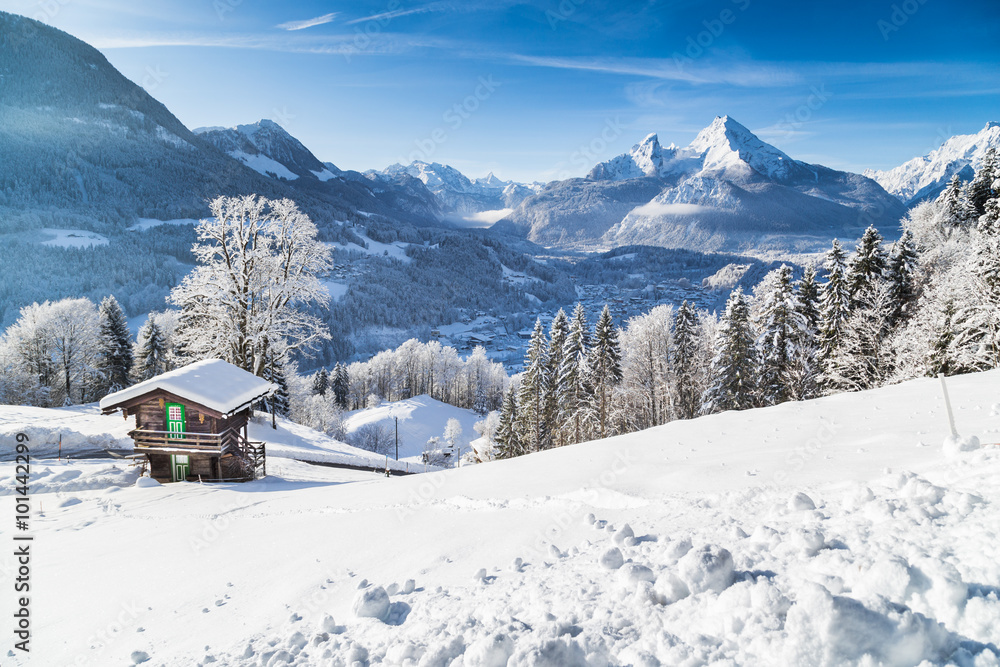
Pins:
x: 146, y: 483
x: 956, y: 444
x: 708, y: 568
x: 372, y: 602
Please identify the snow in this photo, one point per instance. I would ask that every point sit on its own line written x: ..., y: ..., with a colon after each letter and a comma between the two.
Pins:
x: 894, y: 566
x: 72, y: 238
x: 262, y: 164
x: 336, y: 289
x: 148, y: 223
x: 214, y: 383
x: 324, y: 175
x: 420, y: 418
x: 395, y: 250
x: 925, y: 175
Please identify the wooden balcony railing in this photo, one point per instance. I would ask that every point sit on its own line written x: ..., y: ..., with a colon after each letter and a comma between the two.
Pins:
x: 208, y: 442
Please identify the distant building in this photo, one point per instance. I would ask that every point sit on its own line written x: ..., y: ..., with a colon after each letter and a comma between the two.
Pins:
x: 191, y: 423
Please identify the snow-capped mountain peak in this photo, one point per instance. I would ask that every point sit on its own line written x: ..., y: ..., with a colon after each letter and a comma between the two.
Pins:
x: 726, y: 143
x: 267, y: 148
x: 924, y: 177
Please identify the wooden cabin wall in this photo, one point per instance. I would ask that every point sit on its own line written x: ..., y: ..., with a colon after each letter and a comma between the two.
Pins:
x: 159, y: 467
x: 151, y: 417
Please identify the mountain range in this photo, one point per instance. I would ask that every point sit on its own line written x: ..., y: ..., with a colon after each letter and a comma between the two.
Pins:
x: 88, y: 148
x: 726, y: 190
x: 925, y: 177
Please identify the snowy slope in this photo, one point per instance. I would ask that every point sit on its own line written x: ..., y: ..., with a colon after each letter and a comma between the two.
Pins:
x: 420, y: 418
x: 828, y: 532
x: 924, y: 177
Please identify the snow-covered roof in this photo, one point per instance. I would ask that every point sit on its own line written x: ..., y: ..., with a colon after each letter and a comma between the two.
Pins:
x: 214, y: 383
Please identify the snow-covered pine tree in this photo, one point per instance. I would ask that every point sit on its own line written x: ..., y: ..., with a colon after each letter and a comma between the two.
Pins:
x: 341, y: 385
x: 150, y: 351
x: 863, y: 360
x: 734, y: 367
x: 606, y: 367
x: 956, y: 210
x: 807, y: 293
x: 835, y: 302
x: 983, y: 186
x: 320, y: 382
x: 941, y: 360
x: 558, y: 334
x: 684, y: 362
x: 533, y: 393
x: 507, y: 438
x: 899, y: 274
x: 574, y: 378
x: 866, y: 269
x: 804, y: 381
x: 780, y: 328
x: 114, y: 361
x: 274, y: 370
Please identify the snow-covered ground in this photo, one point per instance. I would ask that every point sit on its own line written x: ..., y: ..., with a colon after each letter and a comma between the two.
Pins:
x: 396, y: 250
x: 420, y: 418
x: 71, y: 238
x: 834, y: 531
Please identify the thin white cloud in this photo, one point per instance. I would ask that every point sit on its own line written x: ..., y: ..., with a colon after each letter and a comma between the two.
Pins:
x: 388, y: 16
x: 654, y: 209
x: 308, y: 23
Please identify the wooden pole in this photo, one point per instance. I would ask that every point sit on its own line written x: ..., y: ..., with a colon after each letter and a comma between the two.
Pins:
x: 947, y: 405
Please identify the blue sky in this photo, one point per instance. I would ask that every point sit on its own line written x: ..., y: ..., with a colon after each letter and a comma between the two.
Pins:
x: 542, y: 90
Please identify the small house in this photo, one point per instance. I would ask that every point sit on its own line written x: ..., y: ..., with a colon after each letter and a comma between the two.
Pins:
x: 191, y: 423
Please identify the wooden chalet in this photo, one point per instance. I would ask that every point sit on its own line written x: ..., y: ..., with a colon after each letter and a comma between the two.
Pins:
x: 191, y: 423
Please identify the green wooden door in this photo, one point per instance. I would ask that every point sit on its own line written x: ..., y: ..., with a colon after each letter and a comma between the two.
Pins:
x: 180, y: 467
x: 175, y: 420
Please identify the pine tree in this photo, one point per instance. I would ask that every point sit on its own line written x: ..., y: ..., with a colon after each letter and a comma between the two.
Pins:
x: 981, y: 188
x: 807, y: 292
x: 734, y: 367
x: 151, y: 351
x: 834, y: 303
x: 940, y: 360
x: 274, y: 371
x: 804, y: 383
x: 558, y: 334
x: 507, y: 438
x: 533, y: 393
x: 781, y: 329
x: 956, y: 210
x: 606, y: 366
x: 863, y: 359
x: 683, y: 361
x: 340, y: 385
x: 899, y: 274
x: 114, y: 361
x: 866, y: 268
x: 574, y: 378
x: 321, y: 382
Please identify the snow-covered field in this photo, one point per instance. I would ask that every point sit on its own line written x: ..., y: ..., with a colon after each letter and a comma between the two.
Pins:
x: 834, y: 531
x: 420, y: 418
x: 71, y: 238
